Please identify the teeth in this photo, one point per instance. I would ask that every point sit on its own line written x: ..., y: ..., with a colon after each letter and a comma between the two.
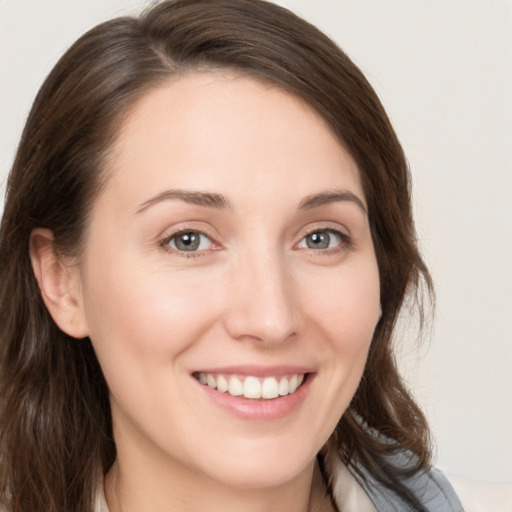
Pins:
x: 284, y: 387
x: 236, y: 388
x: 210, y: 380
x: 270, y: 388
x: 222, y: 384
x: 252, y: 387
x: 292, y: 385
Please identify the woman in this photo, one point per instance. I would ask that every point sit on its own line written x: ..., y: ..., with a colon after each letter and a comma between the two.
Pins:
x: 206, y: 242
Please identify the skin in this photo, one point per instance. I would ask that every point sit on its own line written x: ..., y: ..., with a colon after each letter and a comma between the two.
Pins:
x: 254, y: 293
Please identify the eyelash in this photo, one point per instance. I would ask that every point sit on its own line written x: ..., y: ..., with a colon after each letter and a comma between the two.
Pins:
x: 164, y: 243
x: 345, y: 243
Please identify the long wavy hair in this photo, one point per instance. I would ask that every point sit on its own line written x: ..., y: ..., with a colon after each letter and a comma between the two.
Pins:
x: 55, y: 421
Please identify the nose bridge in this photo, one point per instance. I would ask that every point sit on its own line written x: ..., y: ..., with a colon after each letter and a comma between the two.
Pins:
x: 262, y: 305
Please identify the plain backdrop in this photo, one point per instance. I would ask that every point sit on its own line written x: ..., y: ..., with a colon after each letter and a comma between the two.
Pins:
x: 443, y: 70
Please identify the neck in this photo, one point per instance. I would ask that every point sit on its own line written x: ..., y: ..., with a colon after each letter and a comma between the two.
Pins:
x: 129, y: 492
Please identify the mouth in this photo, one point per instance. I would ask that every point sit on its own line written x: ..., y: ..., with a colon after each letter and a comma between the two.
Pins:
x: 251, y: 386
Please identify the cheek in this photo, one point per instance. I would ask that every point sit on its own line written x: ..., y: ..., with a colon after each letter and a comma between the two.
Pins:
x: 346, y: 303
x: 359, y: 312
x: 135, y: 314
x: 346, y: 308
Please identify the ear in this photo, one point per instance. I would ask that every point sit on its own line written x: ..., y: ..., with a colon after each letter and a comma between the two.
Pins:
x: 59, y: 283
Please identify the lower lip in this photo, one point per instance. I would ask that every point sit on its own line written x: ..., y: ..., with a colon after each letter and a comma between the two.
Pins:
x: 259, y: 409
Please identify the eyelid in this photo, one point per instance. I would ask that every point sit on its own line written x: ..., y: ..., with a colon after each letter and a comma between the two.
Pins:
x: 165, y: 239
x: 343, y: 233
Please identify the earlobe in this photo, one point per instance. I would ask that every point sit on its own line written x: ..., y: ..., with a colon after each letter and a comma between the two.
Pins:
x: 59, y: 284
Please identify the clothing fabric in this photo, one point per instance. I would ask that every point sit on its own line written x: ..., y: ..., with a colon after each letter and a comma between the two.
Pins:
x: 437, y: 492
x: 353, y: 495
x: 434, y: 490
x: 431, y: 488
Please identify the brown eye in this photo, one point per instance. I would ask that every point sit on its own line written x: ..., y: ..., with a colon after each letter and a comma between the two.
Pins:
x: 190, y: 241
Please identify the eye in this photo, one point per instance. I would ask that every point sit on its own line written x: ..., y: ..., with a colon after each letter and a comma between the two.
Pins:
x: 188, y: 241
x: 321, y: 240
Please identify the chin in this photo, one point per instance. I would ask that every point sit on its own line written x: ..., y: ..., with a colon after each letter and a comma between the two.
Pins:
x: 261, y: 467
x: 250, y: 477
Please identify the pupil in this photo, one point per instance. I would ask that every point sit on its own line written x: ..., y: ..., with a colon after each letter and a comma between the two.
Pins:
x: 188, y: 241
x: 318, y: 241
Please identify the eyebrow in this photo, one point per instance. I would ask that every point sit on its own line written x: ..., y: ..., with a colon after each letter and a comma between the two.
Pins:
x: 206, y: 199
x: 331, y: 196
x: 220, y: 202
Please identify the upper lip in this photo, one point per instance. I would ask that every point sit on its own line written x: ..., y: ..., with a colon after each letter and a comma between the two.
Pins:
x: 257, y: 371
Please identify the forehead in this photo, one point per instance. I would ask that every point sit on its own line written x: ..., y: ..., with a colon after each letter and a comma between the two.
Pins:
x: 210, y: 130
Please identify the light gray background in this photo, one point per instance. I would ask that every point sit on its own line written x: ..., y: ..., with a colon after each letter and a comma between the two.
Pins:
x: 443, y: 70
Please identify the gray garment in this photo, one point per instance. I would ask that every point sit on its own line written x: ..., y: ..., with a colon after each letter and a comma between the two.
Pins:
x: 431, y: 488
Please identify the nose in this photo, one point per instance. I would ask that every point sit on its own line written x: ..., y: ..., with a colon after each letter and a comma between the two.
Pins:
x: 262, y: 303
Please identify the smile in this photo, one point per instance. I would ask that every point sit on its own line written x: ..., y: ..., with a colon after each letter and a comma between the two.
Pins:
x: 252, y: 387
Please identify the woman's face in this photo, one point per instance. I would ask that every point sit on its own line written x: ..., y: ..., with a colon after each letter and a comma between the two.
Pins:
x: 229, y: 254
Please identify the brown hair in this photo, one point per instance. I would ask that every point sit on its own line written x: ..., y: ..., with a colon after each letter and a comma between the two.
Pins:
x: 55, y: 423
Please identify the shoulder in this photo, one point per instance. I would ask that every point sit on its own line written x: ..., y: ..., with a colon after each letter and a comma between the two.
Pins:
x: 430, y: 487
